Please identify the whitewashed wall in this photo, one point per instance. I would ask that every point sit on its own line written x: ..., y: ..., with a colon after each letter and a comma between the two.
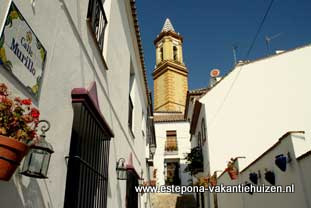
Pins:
x: 254, y: 104
x: 296, y: 173
x: 73, y: 61
x: 183, y: 142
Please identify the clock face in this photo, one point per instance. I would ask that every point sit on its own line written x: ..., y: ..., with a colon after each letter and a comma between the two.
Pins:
x: 215, y: 73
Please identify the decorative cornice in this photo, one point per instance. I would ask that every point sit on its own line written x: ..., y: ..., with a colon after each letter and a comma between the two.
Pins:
x: 90, y: 100
x: 169, y: 65
x: 168, y: 33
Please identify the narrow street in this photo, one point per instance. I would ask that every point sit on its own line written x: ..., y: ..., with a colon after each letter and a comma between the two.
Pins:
x: 172, y: 201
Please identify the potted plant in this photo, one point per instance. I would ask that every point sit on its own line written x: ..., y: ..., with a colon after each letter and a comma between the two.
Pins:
x: 232, y: 169
x: 204, y: 180
x: 213, y: 180
x: 18, y: 131
x: 153, y: 183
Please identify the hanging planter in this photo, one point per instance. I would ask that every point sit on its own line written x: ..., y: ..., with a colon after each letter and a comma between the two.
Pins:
x: 203, y: 181
x: 270, y: 177
x: 213, y: 180
x: 232, y: 170
x: 281, y: 162
x: 18, y: 131
x: 253, y: 177
x: 153, y: 183
x: 11, y: 154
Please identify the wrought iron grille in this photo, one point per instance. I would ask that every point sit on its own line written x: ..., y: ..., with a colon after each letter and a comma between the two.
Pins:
x: 87, y: 175
x: 131, y: 194
x: 98, y: 21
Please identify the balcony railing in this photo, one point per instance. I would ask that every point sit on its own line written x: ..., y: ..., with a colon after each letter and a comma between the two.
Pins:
x: 98, y: 21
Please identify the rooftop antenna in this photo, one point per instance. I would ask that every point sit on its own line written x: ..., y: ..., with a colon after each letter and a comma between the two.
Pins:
x: 268, y: 40
x: 234, y: 49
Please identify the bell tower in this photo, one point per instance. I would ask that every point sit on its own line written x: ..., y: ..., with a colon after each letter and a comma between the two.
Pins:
x: 170, y: 75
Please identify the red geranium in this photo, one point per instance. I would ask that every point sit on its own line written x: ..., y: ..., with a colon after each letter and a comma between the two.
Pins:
x: 18, y: 119
x: 35, y: 113
x: 26, y: 101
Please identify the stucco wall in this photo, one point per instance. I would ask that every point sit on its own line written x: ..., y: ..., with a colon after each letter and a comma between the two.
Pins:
x: 74, y: 61
x: 292, y: 175
x: 254, y: 104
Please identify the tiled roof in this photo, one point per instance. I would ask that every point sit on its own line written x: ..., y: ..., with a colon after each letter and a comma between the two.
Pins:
x: 167, y: 26
x: 169, y: 117
x: 139, y: 42
x: 198, y: 91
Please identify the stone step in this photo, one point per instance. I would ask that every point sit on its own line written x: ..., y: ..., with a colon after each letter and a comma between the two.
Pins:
x: 172, y: 201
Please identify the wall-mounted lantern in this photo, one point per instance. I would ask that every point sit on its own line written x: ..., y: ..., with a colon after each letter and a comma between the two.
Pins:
x: 152, y: 148
x: 36, y: 163
x: 141, y: 179
x: 121, y: 169
x: 281, y: 161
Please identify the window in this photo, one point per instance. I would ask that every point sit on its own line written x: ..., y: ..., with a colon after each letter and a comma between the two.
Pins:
x: 131, y: 95
x: 130, y: 116
x: 161, y: 53
x: 171, y: 141
x: 203, y: 130
x: 88, y: 160
x: 98, y: 21
x: 175, y: 52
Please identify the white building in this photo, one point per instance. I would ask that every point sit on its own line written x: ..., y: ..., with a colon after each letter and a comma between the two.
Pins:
x: 91, y: 76
x: 248, y: 109
x: 294, y: 178
x: 166, y: 127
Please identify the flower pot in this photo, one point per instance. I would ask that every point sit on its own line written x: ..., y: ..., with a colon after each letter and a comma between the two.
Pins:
x: 153, y: 183
x: 253, y: 177
x: 270, y: 177
x: 233, y: 174
x: 11, y: 154
x: 281, y: 161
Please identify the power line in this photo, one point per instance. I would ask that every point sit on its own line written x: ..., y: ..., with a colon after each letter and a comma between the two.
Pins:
x: 259, y: 29
x: 247, y: 55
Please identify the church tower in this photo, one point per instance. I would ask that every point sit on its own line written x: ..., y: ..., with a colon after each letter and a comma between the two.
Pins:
x: 170, y: 75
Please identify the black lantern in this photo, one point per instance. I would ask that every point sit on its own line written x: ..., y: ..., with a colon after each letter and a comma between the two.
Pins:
x: 121, y: 169
x: 36, y: 163
x: 152, y: 148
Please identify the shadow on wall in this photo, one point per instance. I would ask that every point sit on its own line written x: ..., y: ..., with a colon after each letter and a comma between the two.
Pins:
x: 12, y: 193
x: 184, y: 176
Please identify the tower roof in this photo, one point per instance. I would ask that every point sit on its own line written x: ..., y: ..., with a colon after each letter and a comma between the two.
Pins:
x: 167, y: 26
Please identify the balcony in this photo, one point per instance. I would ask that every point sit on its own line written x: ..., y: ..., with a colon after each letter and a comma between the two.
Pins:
x: 194, y: 161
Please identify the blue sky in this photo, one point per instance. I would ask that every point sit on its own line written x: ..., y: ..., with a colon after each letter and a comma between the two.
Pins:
x: 210, y: 28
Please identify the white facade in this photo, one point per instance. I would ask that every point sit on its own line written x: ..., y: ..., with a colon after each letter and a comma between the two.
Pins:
x: 74, y: 61
x: 297, y: 173
x: 255, y: 103
x: 183, y: 144
x: 246, y: 112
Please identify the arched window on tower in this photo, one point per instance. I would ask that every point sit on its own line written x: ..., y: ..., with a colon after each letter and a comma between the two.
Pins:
x: 175, y: 53
x: 161, y: 54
